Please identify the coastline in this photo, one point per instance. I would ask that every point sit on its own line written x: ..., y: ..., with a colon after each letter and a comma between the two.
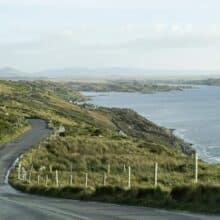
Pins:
x: 185, y: 146
x: 98, y: 138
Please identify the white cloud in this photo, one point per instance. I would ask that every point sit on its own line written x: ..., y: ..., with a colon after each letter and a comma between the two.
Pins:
x: 123, y: 4
x: 130, y: 36
x: 97, y: 27
x: 182, y: 29
x: 161, y: 28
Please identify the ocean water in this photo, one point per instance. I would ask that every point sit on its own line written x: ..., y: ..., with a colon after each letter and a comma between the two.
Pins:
x: 193, y: 113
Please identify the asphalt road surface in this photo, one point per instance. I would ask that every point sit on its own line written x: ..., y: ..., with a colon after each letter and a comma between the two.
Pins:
x: 18, y: 206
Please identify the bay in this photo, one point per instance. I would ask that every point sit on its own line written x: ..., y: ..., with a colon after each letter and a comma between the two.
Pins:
x: 193, y: 113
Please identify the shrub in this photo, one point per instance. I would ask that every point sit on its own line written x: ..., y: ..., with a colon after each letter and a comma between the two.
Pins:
x: 108, y: 190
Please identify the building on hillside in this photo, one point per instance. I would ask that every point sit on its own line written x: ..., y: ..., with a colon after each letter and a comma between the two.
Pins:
x: 122, y: 133
x: 60, y: 131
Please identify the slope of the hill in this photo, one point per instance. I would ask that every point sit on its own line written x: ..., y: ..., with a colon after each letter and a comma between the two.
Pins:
x: 100, y: 145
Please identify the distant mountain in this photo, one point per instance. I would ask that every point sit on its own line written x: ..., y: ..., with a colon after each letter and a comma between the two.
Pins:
x: 121, y: 73
x: 73, y: 73
x: 11, y: 73
x: 112, y: 73
x: 78, y: 72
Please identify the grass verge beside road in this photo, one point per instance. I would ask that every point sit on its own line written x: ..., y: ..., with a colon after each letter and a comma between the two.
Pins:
x: 103, y: 141
x: 195, y: 198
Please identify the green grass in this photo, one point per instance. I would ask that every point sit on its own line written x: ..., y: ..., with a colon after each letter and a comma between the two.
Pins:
x: 14, y: 134
x: 12, y: 124
x: 92, y: 142
x: 195, y: 198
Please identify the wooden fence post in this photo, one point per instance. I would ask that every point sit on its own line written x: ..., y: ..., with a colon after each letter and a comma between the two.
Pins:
x: 86, y: 180
x: 57, y: 179
x: 104, y: 179
x: 46, y: 181
x: 196, y: 167
x: 155, y: 174
x: 19, y: 171
x: 129, y: 177
x: 124, y: 168
x: 109, y: 168
x: 30, y: 176
x: 71, y: 180
x: 24, y: 175
x: 50, y: 168
x: 38, y: 179
x: 71, y: 168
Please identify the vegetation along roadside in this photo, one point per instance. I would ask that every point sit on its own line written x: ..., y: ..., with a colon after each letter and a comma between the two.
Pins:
x: 93, y: 152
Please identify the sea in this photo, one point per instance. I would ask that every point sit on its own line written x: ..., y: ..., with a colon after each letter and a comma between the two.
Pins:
x: 193, y: 113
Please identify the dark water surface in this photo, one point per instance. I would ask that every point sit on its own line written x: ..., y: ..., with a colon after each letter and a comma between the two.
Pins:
x: 194, y: 113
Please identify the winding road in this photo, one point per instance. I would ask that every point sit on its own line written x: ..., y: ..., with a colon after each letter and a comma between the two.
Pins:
x: 20, y: 206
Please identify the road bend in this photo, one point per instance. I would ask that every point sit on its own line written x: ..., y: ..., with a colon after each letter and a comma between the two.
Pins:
x: 21, y: 206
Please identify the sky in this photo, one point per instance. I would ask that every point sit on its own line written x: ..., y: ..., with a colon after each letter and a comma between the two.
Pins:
x: 151, y: 34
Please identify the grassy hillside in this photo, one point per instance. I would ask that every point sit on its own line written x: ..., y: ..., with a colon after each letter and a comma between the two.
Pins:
x: 12, y: 123
x: 102, y: 142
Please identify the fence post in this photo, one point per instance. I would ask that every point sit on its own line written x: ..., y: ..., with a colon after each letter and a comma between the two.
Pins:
x: 86, y: 180
x: 71, y: 168
x: 71, y: 180
x: 50, y: 168
x: 46, y: 182
x: 109, y: 168
x: 124, y: 168
x: 30, y: 176
x: 104, y: 179
x: 57, y: 179
x: 129, y: 177
x: 24, y: 175
x: 155, y: 174
x: 19, y: 171
x: 196, y: 167
x: 38, y: 179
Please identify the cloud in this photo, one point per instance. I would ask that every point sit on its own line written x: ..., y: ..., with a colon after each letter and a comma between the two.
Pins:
x: 122, y: 4
x: 76, y: 3
x: 161, y: 28
x: 157, y: 36
x: 184, y: 41
x: 182, y: 29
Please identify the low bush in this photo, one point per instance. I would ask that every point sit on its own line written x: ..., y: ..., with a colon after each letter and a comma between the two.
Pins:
x: 197, y: 197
